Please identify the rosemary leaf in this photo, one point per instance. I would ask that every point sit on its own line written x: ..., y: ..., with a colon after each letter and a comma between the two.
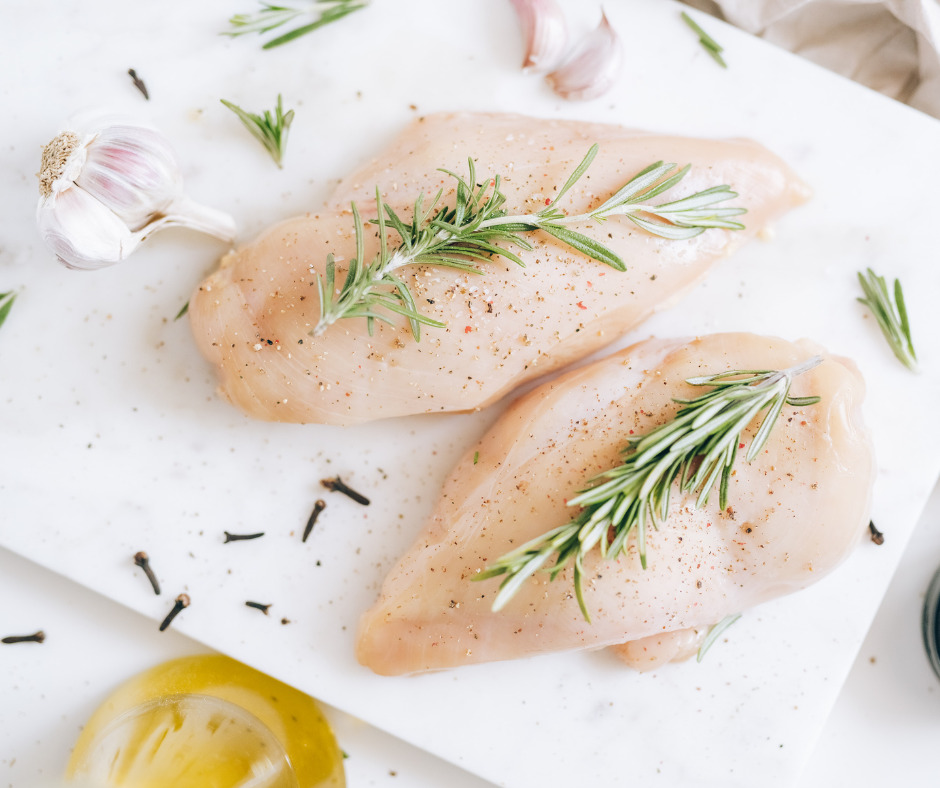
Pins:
x: 891, y: 316
x: 6, y: 304
x: 269, y: 17
x: 183, y: 310
x: 270, y: 130
x: 587, y: 246
x: 330, y: 15
x: 696, y: 448
x: 273, y: 16
x: 708, y: 43
x: 476, y: 228
x: 714, y: 633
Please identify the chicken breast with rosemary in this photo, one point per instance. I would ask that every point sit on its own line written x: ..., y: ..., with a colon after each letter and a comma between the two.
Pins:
x: 282, y: 355
x: 791, y: 514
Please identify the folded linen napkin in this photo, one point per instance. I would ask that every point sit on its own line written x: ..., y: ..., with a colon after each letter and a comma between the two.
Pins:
x: 892, y: 46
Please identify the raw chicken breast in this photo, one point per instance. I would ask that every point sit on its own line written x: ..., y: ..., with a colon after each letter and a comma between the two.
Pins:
x: 793, y: 514
x: 251, y: 318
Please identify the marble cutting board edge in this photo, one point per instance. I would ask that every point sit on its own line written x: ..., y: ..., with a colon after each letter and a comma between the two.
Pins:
x: 114, y: 440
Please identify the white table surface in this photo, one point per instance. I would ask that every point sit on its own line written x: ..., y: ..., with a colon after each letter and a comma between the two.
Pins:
x: 877, y: 732
x: 883, y: 729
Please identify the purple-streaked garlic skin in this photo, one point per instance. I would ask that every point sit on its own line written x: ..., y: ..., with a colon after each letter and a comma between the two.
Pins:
x: 132, y: 171
x: 103, y: 192
x: 592, y: 68
x: 545, y: 33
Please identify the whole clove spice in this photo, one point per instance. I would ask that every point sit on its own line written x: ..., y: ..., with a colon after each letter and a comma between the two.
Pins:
x: 338, y: 485
x: 240, y: 537
x: 142, y: 560
x: 876, y: 536
x: 181, y: 602
x: 258, y: 606
x: 139, y: 83
x: 36, y: 637
x: 318, y: 507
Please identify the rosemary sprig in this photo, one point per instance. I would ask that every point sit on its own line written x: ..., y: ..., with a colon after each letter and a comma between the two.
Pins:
x: 468, y: 232
x: 708, y: 43
x: 273, y: 16
x: 270, y: 130
x: 891, y: 317
x: 697, y: 448
x: 6, y: 304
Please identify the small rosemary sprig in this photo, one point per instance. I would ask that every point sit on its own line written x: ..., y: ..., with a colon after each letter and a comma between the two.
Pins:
x: 6, y: 304
x: 270, y: 130
x: 697, y: 448
x: 891, y: 317
x: 273, y: 16
x: 708, y: 43
x: 468, y: 232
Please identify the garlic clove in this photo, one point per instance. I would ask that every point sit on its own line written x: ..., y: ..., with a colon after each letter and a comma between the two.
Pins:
x: 132, y: 171
x: 103, y: 192
x: 82, y: 232
x: 592, y: 68
x: 544, y: 31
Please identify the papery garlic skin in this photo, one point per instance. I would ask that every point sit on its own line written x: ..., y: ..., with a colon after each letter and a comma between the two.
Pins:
x: 544, y: 31
x: 592, y: 68
x: 132, y: 171
x: 104, y: 192
x: 82, y: 232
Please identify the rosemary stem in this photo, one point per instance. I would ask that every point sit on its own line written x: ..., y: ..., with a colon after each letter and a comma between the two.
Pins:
x: 475, y: 229
x: 799, y: 369
x: 695, y: 451
x: 536, y: 220
x: 355, y: 296
x: 398, y: 259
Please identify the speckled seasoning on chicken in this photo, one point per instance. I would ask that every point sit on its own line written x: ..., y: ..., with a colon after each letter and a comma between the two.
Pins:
x: 793, y: 514
x: 252, y: 317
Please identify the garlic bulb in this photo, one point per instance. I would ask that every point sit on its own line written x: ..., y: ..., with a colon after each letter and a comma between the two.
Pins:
x: 592, y: 68
x: 105, y: 191
x: 545, y: 33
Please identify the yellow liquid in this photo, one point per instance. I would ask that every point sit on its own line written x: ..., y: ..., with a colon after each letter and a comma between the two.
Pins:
x: 207, y: 722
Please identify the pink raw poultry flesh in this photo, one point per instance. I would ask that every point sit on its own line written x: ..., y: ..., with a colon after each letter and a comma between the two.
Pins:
x: 793, y: 514
x: 252, y: 317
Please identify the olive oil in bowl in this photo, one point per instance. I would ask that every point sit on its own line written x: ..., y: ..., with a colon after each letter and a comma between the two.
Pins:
x: 211, y: 722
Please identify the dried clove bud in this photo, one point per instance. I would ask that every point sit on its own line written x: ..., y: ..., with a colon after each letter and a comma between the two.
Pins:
x: 142, y: 560
x: 36, y: 637
x: 318, y: 507
x: 338, y: 485
x: 240, y: 537
x: 181, y: 602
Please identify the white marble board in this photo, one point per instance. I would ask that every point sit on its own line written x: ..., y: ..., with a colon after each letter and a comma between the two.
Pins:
x: 113, y: 439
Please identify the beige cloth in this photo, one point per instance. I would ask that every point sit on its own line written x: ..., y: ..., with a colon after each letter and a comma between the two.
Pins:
x: 892, y: 46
